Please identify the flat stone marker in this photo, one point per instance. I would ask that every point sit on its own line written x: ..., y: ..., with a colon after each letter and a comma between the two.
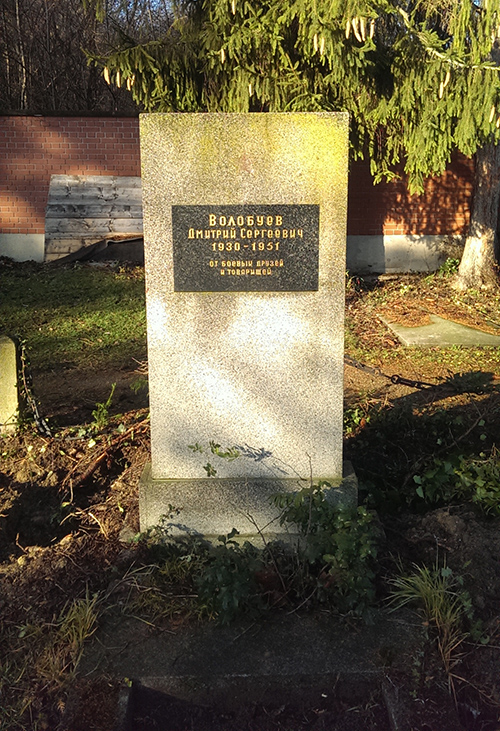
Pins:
x: 9, y: 402
x: 442, y: 332
x: 245, y: 231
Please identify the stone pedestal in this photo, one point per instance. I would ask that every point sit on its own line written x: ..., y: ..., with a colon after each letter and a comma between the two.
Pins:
x: 244, y: 224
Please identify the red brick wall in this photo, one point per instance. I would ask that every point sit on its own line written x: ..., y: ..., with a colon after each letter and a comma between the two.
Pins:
x: 34, y: 148
x: 443, y: 208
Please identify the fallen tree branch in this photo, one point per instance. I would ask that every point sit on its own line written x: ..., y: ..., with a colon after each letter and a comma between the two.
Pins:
x: 113, y: 445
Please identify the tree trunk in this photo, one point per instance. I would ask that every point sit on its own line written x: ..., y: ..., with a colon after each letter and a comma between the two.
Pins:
x: 478, y: 267
x: 23, y: 73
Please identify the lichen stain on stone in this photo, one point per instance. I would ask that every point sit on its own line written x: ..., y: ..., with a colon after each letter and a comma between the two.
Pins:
x: 252, y: 146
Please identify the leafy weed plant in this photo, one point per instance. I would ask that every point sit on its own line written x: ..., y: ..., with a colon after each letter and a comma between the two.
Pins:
x: 101, y: 411
x: 227, y: 584
x: 354, y: 419
x: 338, y: 553
x: 464, y: 479
x: 339, y: 548
x: 448, y: 268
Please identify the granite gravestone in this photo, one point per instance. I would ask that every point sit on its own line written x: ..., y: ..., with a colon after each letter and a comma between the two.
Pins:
x: 244, y: 228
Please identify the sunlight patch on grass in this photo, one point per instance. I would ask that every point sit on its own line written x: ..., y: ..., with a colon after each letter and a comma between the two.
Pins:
x: 76, y: 317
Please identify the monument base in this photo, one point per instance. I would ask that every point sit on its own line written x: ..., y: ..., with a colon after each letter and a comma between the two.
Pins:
x: 212, y: 507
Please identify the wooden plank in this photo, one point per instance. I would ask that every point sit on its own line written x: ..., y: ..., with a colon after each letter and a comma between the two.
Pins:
x: 83, y: 209
x: 93, y: 210
x: 93, y: 226
x: 55, y: 248
x: 68, y: 191
x: 92, y: 194
x: 75, y: 181
x: 93, y: 198
x: 107, y: 189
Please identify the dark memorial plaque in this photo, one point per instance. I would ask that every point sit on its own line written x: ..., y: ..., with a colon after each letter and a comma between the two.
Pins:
x: 246, y: 248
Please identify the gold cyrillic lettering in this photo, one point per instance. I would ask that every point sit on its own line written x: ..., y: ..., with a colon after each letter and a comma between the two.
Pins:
x: 279, y: 220
x: 207, y: 233
x: 231, y: 221
x: 222, y: 220
x: 212, y: 219
x: 269, y: 220
x: 242, y: 233
x: 277, y: 233
x: 281, y: 263
x: 225, y: 234
x: 300, y: 233
x: 250, y: 220
x: 191, y: 233
x: 260, y: 220
x: 269, y: 234
x: 240, y: 220
x: 284, y: 233
x: 199, y: 233
x: 292, y: 233
x: 233, y: 233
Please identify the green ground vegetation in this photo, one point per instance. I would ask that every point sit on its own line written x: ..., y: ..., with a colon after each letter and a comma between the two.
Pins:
x: 77, y: 316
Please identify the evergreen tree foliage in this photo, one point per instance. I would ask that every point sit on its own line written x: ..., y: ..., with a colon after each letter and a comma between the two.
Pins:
x: 420, y: 78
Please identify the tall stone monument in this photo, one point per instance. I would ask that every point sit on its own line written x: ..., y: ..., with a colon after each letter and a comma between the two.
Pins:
x: 244, y: 232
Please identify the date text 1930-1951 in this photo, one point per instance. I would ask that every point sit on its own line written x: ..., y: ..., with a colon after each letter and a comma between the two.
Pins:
x: 245, y: 248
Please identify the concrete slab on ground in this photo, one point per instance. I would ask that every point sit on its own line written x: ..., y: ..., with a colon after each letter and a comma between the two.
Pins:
x: 280, y: 655
x: 442, y: 333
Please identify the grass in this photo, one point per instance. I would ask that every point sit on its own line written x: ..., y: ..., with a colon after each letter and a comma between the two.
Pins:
x: 42, y: 658
x: 440, y: 596
x: 78, y: 316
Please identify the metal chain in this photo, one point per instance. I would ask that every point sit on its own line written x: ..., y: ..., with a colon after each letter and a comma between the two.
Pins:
x: 44, y: 429
x: 397, y: 380
x: 27, y: 387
